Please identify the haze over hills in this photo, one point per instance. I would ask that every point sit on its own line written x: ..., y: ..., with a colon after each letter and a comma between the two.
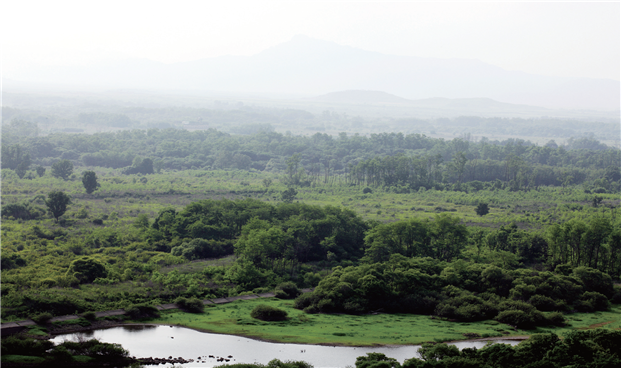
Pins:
x: 309, y: 66
x: 444, y: 107
x: 361, y: 97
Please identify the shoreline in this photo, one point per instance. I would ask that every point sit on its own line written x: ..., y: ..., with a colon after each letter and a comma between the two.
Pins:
x: 110, y: 324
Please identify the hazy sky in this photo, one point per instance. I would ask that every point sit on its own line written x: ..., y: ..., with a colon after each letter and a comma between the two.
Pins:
x: 580, y: 39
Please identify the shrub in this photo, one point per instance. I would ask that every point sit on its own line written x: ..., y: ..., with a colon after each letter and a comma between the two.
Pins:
x: 563, y: 269
x: 192, y: 305
x: 90, y: 316
x: 482, y: 209
x: 556, y: 319
x: 376, y: 360
x: 616, y: 298
x: 138, y: 311
x: 86, y: 269
x: 595, y: 299
x: 311, y: 310
x: 305, y: 300
x: 61, y: 355
x: 517, y: 318
x: 267, y: 313
x: 20, y: 344
x: 22, y: 211
x: 42, y: 318
x: 276, y: 363
x: 547, y: 304
x: 287, y: 290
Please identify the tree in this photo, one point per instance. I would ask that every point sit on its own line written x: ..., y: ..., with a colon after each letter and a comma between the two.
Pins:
x: 13, y: 156
x: 21, y: 169
x: 86, y: 269
x: 295, y: 174
x: 288, y: 195
x: 89, y: 179
x: 40, y: 170
x: 267, y: 182
x: 482, y: 209
x: 376, y: 360
x: 57, y: 202
x: 140, y: 166
x: 62, y: 169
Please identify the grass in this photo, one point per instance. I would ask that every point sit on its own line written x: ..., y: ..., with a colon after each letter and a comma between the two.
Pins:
x: 37, y: 330
x: 381, y: 329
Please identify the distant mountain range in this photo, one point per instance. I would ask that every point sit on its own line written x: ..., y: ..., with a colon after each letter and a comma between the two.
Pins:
x: 434, y: 106
x: 310, y: 66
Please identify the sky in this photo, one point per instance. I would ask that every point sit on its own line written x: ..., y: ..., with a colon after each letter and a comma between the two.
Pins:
x: 570, y: 39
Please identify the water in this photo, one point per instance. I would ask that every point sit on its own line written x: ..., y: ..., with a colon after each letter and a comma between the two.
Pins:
x: 164, y: 341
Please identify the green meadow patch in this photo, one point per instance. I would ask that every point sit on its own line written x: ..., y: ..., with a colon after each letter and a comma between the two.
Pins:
x: 367, y: 330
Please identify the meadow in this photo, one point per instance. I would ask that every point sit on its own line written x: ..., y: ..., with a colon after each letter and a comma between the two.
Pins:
x: 362, y: 330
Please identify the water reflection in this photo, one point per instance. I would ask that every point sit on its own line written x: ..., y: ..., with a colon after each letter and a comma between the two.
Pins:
x: 168, y: 341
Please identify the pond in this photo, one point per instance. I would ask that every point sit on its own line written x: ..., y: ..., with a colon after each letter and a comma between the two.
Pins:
x: 165, y: 341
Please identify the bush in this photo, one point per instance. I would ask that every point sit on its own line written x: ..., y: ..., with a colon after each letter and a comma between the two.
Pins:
x: 276, y: 363
x: 547, y: 304
x: 616, y: 298
x: 376, y: 360
x: 556, y: 319
x: 90, y: 316
x: 311, y: 310
x: 287, y: 290
x: 595, y: 300
x: 192, y: 305
x: 305, y: 300
x: 20, y: 344
x: 267, y: 313
x: 482, y: 209
x: 138, y: 311
x: 22, y: 211
x: 61, y: 355
x: 86, y: 269
x: 517, y: 318
x: 42, y: 318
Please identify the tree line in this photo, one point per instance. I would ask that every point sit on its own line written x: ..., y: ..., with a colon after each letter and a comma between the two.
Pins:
x: 388, y: 159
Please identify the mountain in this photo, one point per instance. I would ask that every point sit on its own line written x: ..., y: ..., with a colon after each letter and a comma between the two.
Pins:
x: 433, y: 106
x: 311, y: 66
x: 361, y: 97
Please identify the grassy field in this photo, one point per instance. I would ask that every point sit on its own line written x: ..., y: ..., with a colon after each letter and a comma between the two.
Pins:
x: 379, y: 329
x: 121, y: 198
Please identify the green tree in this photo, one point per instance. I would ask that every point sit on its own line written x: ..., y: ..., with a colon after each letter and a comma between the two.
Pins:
x: 448, y: 237
x: 295, y: 173
x: 57, y: 202
x: 142, y: 222
x: 86, y: 269
x: 13, y: 156
x: 288, y: 195
x: 40, y: 171
x: 89, y: 179
x: 62, y: 169
x: 21, y: 169
x: 376, y: 360
x: 482, y: 209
